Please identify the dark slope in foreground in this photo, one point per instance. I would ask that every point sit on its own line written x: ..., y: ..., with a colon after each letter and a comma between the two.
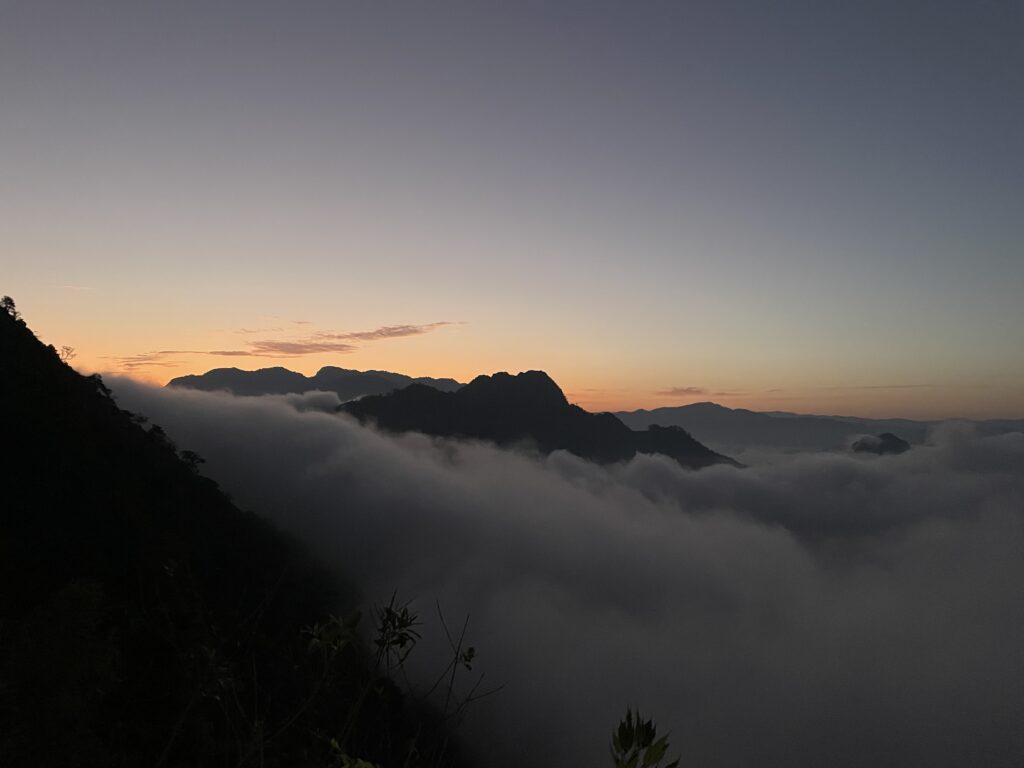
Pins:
x: 528, y: 408
x: 144, y: 619
x: 346, y: 383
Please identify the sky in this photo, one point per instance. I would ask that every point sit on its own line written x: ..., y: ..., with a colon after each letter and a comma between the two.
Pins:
x: 812, y: 206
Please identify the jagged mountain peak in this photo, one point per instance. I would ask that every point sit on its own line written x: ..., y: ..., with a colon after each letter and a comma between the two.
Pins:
x: 534, y: 387
x: 526, y: 409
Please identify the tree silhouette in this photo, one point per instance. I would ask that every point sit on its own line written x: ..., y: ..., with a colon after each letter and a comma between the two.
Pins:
x: 7, y: 304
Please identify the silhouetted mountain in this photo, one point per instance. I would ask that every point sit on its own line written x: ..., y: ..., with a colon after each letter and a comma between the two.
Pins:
x: 733, y: 430
x: 144, y: 619
x: 346, y: 383
x: 527, y: 409
x: 884, y: 443
x: 679, y: 444
x: 265, y: 381
x: 736, y: 429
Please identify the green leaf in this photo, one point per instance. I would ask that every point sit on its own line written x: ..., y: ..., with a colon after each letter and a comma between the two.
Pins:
x: 655, y: 752
x: 626, y: 735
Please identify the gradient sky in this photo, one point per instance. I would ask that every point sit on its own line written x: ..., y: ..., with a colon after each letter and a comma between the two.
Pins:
x: 811, y: 206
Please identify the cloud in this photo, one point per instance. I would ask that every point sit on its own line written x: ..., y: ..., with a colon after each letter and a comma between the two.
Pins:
x: 159, y: 359
x: 819, y: 610
x: 386, y: 332
x: 683, y: 391
x: 884, y: 386
x: 695, y: 392
x: 272, y: 348
x: 251, y: 331
x: 318, y: 343
x: 334, y: 341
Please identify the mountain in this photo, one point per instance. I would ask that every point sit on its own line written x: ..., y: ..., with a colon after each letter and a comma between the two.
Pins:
x: 884, y: 443
x: 348, y: 384
x: 525, y: 409
x: 265, y: 381
x: 146, y: 620
x: 677, y: 443
x: 737, y: 429
x: 733, y: 430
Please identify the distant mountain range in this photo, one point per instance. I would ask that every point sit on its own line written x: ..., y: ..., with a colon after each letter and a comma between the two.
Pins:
x: 346, y: 383
x: 722, y: 430
x: 526, y: 409
x: 732, y: 430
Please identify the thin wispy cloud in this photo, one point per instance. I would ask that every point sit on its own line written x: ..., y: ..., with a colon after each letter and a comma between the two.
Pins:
x: 250, y: 331
x: 384, y: 332
x: 852, y: 387
x: 157, y: 359
x: 319, y: 342
x: 695, y: 392
x: 682, y: 391
x: 271, y: 348
x: 882, y: 386
x: 340, y: 342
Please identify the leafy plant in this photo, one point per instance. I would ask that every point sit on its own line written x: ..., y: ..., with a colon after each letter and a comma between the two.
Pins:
x: 341, y: 759
x: 396, y: 633
x: 635, y: 743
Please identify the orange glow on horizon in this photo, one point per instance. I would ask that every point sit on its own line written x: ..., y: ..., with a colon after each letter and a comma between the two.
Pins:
x: 869, y: 404
x: 157, y: 347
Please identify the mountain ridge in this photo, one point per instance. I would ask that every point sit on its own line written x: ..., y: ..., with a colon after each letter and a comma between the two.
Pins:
x: 277, y: 380
x: 526, y: 408
x: 735, y: 429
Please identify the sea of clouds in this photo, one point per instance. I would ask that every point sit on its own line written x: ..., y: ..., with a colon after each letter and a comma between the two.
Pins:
x: 810, y: 610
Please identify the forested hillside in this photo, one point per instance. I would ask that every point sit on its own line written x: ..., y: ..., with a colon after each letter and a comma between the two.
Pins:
x: 145, y: 620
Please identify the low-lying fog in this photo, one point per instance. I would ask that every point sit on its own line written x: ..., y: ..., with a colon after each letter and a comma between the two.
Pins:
x: 809, y: 610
